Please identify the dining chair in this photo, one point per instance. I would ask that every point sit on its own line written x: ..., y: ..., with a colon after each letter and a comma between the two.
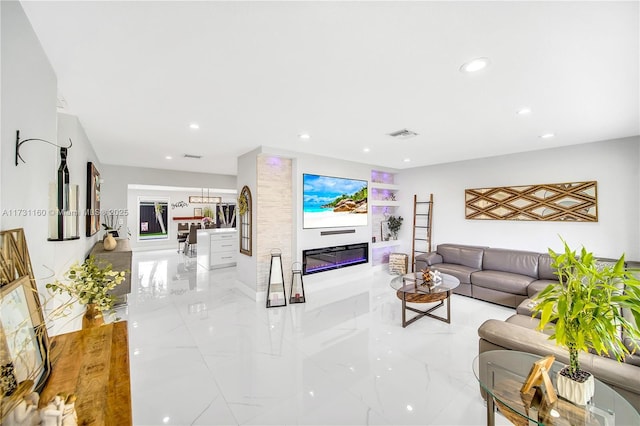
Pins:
x: 192, y: 239
x: 183, y: 233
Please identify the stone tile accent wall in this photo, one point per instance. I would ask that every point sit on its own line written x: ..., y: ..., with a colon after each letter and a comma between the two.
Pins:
x: 274, y: 204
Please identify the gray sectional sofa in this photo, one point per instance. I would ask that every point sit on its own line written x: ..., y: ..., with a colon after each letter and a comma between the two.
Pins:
x: 502, y: 276
x: 511, y: 278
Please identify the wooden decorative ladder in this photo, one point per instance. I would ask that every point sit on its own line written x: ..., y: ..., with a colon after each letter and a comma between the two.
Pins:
x: 422, y: 222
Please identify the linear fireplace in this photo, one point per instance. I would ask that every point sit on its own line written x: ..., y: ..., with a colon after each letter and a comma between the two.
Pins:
x: 327, y: 258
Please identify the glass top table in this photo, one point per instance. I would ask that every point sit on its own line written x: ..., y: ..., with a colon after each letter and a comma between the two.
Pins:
x: 411, y: 288
x: 501, y: 375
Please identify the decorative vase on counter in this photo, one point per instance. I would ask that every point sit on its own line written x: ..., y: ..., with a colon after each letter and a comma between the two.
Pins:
x: 92, y: 317
x: 109, y: 242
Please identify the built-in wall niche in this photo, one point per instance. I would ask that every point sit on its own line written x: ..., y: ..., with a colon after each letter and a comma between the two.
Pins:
x: 383, y: 199
x: 382, y: 177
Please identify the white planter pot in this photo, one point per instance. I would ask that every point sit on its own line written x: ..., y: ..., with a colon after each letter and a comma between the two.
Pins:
x: 578, y: 393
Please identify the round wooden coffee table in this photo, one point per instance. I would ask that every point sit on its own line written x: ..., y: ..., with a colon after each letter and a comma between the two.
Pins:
x: 410, y: 288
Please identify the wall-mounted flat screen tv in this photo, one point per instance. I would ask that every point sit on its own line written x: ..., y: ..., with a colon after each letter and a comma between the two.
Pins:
x: 333, y: 202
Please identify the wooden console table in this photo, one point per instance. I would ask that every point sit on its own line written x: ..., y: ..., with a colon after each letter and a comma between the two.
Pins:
x: 93, y: 364
x: 120, y: 260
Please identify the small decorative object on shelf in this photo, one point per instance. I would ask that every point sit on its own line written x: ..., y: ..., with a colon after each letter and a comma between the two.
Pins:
x: 69, y: 415
x: 296, y: 294
x: 8, y: 382
x: 90, y: 284
x: 276, y: 295
x: 51, y: 414
x: 109, y: 242
x: 26, y: 412
x: 394, y: 223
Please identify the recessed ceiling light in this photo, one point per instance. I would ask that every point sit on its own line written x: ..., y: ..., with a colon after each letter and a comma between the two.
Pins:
x: 168, y: 157
x: 524, y: 111
x: 475, y: 65
x: 366, y: 150
x: 194, y: 126
x: 547, y: 135
x: 407, y: 160
x: 304, y: 136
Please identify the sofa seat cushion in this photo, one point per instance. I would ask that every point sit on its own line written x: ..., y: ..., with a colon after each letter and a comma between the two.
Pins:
x: 502, y: 281
x: 461, y: 272
x: 514, y: 261
x: 537, y: 286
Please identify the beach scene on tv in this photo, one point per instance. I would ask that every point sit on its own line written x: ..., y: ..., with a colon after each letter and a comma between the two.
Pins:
x: 330, y: 202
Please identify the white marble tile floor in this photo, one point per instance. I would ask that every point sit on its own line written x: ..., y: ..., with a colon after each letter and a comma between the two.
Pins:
x: 203, y: 353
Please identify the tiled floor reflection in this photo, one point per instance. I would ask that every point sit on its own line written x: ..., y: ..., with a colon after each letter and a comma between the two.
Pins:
x: 203, y: 353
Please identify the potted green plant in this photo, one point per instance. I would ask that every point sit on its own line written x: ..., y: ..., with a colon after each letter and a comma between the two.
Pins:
x: 585, y: 307
x: 90, y: 284
x: 394, y: 223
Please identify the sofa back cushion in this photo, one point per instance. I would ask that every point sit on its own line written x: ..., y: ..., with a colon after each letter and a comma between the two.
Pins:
x: 545, y: 271
x: 470, y: 256
x: 514, y: 261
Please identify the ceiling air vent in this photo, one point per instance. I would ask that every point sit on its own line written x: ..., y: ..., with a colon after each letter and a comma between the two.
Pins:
x: 403, y: 134
x: 192, y: 156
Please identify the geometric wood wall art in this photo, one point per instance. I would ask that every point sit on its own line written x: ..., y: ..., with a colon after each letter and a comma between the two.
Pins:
x: 569, y: 202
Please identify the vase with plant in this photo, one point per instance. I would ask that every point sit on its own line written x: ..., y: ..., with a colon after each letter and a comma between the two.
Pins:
x: 90, y: 284
x: 111, y: 225
x: 586, y: 310
x: 394, y: 223
x: 207, y: 212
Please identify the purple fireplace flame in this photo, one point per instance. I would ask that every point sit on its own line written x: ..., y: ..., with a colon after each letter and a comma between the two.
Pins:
x: 327, y: 258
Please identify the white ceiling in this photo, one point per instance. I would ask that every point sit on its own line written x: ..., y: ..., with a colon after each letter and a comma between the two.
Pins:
x: 348, y: 73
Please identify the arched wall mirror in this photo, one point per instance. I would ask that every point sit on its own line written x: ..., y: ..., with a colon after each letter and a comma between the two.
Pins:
x: 244, y: 215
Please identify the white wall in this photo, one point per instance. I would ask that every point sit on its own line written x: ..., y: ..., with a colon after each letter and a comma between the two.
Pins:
x: 311, y: 238
x: 613, y: 164
x: 247, y: 266
x: 118, y: 178
x: 29, y: 91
